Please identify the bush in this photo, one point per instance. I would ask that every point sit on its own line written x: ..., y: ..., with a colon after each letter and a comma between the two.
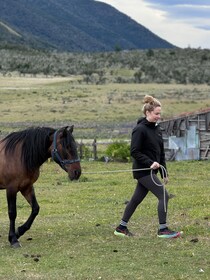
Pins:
x: 118, y: 151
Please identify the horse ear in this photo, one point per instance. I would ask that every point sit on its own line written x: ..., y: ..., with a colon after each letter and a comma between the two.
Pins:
x: 66, y: 129
x: 71, y: 128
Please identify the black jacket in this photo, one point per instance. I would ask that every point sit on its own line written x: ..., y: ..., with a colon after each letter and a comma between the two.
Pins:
x: 146, y: 147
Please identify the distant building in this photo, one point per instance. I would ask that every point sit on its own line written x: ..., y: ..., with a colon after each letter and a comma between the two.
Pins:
x: 187, y: 136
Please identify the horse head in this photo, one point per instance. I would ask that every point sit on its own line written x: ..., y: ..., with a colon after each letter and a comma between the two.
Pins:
x: 64, y: 152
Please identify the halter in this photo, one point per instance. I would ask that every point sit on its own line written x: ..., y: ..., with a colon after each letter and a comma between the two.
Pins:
x: 56, y: 155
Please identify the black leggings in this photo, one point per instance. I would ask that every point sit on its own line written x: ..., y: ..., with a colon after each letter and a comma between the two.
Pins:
x: 144, y: 185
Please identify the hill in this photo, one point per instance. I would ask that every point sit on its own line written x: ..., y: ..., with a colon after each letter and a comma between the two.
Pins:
x: 72, y: 25
x: 182, y: 66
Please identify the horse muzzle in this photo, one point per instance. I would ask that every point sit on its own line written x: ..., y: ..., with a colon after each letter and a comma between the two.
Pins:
x: 74, y: 174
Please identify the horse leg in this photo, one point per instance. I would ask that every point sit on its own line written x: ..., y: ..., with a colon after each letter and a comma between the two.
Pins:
x: 29, y: 195
x: 12, y: 212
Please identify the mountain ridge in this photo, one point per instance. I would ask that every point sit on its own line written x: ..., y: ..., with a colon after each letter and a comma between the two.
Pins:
x: 70, y: 25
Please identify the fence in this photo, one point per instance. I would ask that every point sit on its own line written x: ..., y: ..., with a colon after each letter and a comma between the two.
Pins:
x: 93, y: 149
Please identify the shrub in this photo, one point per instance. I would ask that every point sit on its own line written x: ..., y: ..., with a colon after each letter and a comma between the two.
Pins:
x: 119, y: 151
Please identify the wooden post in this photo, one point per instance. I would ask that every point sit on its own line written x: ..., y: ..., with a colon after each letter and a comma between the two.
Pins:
x: 81, y: 149
x: 94, y: 144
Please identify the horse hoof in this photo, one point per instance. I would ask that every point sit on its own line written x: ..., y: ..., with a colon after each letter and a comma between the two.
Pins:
x: 16, y: 245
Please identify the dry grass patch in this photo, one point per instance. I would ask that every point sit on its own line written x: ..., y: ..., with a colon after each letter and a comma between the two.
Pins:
x: 103, y: 109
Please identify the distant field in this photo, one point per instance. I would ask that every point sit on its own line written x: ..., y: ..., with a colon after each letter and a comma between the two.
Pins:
x: 96, y: 110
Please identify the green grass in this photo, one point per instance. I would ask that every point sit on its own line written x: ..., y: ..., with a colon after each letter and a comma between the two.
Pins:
x: 72, y: 237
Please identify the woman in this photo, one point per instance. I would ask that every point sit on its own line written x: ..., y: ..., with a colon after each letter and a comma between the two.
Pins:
x: 147, y: 151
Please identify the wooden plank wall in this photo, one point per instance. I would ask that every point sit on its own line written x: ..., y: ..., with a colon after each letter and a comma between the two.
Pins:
x: 201, y: 121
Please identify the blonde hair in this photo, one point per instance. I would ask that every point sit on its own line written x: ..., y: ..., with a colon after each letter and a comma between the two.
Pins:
x: 150, y: 103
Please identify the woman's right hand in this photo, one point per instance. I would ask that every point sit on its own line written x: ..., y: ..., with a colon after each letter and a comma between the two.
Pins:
x: 155, y: 165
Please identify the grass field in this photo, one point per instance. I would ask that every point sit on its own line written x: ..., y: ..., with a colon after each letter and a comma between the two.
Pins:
x: 72, y: 238
x: 96, y: 110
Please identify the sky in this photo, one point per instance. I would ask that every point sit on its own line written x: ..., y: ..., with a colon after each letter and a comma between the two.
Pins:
x: 183, y: 23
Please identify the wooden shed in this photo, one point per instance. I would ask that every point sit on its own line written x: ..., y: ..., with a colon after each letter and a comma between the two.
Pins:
x: 187, y: 136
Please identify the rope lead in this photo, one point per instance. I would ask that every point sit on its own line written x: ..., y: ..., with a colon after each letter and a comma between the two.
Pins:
x: 116, y: 171
x: 163, y: 171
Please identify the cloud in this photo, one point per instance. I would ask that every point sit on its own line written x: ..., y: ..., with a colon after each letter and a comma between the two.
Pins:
x: 204, y: 27
x: 179, y: 2
x: 183, y: 10
x: 194, y: 13
x: 183, y: 23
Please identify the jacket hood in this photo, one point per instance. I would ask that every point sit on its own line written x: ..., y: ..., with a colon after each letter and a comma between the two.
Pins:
x: 144, y: 121
x: 141, y: 120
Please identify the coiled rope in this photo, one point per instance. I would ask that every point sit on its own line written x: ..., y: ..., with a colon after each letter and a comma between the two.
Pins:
x: 163, y: 172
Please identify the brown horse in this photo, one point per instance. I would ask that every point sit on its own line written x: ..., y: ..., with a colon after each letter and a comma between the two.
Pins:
x: 21, y: 155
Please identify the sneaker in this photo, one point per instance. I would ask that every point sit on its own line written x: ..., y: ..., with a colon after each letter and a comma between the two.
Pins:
x: 167, y: 233
x: 122, y: 232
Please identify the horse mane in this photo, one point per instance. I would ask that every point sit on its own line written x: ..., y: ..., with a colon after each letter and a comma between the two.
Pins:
x: 34, y: 141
